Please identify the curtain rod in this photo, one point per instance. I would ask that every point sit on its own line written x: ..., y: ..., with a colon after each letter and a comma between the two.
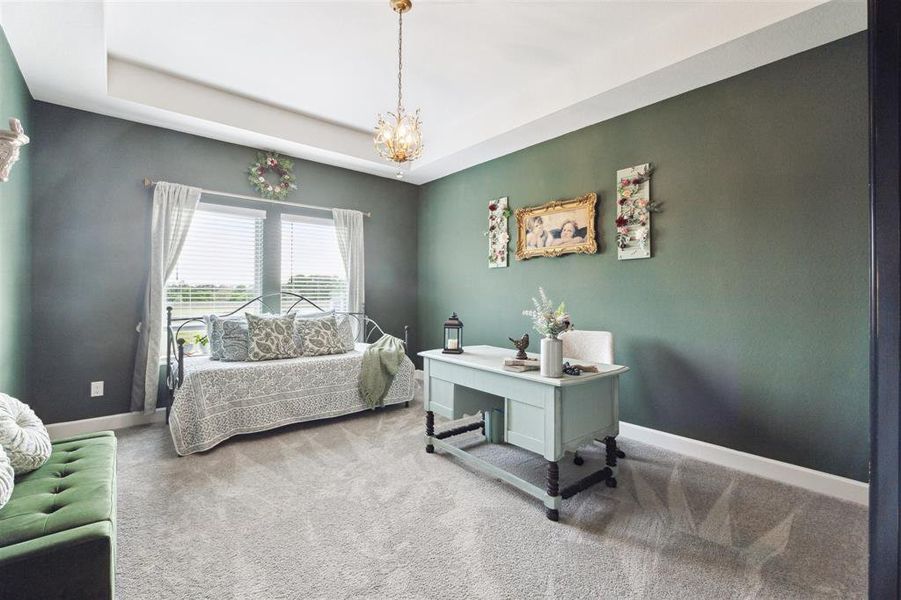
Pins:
x: 148, y: 183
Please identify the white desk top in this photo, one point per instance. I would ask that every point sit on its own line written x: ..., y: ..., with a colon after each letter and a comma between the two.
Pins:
x: 491, y: 358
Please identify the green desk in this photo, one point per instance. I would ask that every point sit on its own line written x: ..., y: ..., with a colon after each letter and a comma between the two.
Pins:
x: 545, y: 415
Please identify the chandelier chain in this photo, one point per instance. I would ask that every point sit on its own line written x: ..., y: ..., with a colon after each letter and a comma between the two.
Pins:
x: 400, y: 59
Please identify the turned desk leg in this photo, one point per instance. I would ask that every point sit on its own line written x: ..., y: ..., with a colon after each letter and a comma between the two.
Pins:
x: 553, y: 488
x: 612, y: 454
x: 613, y: 451
x: 429, y: 430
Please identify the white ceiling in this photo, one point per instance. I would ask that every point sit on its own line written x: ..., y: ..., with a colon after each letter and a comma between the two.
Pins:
x: 308, y: 78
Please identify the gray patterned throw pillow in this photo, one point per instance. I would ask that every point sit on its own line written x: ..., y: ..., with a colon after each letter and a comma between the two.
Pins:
x: 298, y: 328
x: 235, y: 340
x: 215, y: 332
x: 271, y: 337
x: 320, y: 336
x: 346, y: 333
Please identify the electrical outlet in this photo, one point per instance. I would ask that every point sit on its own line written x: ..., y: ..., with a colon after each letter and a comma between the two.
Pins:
x: 96, y: 389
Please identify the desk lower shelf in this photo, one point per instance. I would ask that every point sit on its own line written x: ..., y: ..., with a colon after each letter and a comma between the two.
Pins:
x: 551, y: 495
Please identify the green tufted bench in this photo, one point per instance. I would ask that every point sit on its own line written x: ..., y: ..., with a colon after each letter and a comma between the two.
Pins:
x: 58, y: 530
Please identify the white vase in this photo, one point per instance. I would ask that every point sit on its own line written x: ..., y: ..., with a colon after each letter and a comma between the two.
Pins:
x: 551, y: 357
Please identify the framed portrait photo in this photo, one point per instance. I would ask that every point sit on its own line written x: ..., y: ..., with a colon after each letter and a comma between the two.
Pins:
x: 559, y: 227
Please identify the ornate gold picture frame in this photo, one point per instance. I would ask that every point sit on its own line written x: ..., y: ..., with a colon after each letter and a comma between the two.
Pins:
x: 556, y: 228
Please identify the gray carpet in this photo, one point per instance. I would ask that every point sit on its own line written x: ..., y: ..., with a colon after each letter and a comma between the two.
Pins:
x: 355, y: 508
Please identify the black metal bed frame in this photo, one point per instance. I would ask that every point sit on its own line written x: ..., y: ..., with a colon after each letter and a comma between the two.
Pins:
x: 175, y: 345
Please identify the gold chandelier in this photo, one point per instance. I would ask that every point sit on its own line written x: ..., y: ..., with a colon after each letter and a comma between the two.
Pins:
x: 398, y: 136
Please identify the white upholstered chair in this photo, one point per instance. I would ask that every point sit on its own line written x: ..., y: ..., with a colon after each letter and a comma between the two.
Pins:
x: 590, y: 346
x: 594, y: 347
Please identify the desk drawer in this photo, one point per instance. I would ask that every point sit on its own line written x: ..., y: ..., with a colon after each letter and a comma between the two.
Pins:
x: 497, y: 384
x: 441, y: 397
x: 525, y: 425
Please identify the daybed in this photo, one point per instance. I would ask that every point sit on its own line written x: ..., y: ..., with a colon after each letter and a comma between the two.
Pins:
x: 211, y: 401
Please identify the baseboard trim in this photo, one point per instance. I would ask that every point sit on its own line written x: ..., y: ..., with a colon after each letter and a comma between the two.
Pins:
x: 118, y: 421
x: 842, y: 488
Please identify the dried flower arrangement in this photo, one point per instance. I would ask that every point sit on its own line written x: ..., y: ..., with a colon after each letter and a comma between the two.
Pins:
x: 547, y: 320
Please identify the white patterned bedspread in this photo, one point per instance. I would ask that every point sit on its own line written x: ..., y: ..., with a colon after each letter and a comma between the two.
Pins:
x: 221, y: 399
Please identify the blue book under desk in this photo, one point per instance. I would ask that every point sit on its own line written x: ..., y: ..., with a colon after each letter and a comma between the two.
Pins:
x: 545, y: 415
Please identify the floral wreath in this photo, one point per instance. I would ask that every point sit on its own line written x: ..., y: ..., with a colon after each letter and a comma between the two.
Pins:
x: 281, y: 166
x: 633, y: 210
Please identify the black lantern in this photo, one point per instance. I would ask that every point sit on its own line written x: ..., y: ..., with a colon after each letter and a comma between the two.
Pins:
x: 453, y: 335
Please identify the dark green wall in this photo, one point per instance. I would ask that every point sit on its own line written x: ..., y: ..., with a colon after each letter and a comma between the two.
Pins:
x: 91, y: 231
x: 748, y: 327
x: 15, y: 200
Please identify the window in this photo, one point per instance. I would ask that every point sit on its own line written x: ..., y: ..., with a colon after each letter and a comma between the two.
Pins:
x: 220, y: 265
x: 311, y: 263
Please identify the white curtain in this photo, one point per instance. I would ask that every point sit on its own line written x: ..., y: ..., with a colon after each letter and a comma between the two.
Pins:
x: 173, y: 209
x: 349, y: 229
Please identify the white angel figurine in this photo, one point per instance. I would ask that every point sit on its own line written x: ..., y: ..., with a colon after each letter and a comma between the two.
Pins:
x: 10, y: 142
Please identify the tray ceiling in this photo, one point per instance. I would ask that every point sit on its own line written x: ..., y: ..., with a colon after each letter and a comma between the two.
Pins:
x: 308, y: 78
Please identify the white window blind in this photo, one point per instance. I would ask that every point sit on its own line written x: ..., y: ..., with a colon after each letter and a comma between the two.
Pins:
x: 221, y: 263
x: 312, y: 264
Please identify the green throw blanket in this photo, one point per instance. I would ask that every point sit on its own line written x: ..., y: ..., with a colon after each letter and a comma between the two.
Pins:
x: 380, y: 364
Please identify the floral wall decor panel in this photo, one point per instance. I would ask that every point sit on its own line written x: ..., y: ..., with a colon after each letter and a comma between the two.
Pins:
x: 555, y: 228
x: 498, y: 236
x: 633, y: 212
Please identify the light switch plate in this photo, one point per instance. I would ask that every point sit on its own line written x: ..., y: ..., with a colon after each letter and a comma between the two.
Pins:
x: 96, y: 389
